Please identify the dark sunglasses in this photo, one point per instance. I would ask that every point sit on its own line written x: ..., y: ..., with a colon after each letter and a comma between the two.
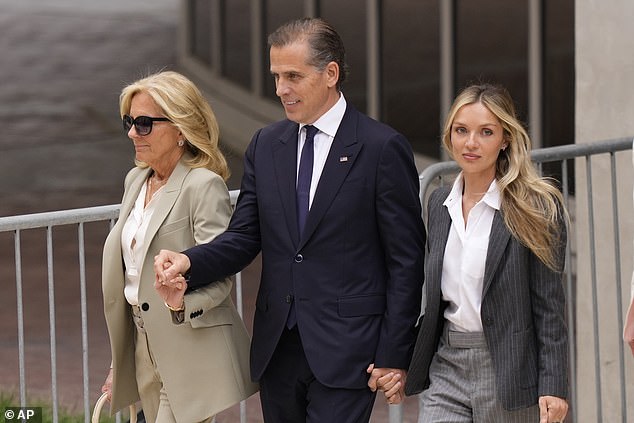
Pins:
x: 142, y: 124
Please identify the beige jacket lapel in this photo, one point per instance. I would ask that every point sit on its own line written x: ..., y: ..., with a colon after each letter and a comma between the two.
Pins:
x: 166, y: 202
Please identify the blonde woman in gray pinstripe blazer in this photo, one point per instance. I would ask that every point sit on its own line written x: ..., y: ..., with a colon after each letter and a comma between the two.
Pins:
x: 492, y: 345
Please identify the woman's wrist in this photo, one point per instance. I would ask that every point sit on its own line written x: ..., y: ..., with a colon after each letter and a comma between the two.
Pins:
x: 175, y: 309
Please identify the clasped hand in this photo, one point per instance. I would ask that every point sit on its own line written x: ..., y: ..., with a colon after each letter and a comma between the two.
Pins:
x: 170, y: 284
x: 390, y: 381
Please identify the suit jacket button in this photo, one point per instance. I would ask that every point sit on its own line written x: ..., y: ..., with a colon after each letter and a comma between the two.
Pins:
x: 145, y: 306
x: 289, y: 298
x: 299, y: 258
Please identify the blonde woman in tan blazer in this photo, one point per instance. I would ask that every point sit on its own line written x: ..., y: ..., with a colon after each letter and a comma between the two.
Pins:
x: 174, y: 198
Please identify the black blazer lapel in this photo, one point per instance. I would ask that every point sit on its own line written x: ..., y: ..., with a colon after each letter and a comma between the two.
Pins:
x: 285, y: 164
x: 498, y: 239
x: 343, y: 153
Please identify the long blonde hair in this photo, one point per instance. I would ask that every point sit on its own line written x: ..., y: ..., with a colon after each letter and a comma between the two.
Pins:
x: 532, y: 206
x: 184, y: 105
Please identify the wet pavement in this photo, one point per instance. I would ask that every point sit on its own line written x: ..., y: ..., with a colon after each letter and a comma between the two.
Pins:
x: 64, y: 63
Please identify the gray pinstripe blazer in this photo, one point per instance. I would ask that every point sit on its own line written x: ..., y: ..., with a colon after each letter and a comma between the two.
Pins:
x: 522, y: 314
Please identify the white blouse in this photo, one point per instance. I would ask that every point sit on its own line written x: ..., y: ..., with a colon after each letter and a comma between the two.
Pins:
x: 465, y: 257
x: 133, y: 242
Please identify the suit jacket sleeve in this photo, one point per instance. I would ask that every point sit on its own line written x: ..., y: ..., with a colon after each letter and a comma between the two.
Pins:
x: 234, y: 249
x: 548, y: 302
x: 402, y: 232
x: 210, y: 212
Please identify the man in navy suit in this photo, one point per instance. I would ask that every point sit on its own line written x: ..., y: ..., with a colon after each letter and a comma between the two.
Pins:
x: 339, y: 293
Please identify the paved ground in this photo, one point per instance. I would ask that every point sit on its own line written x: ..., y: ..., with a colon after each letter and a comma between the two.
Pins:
x: 64, y: 63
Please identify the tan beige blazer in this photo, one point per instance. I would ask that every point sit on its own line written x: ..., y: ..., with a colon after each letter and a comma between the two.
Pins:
x: 204, y: 362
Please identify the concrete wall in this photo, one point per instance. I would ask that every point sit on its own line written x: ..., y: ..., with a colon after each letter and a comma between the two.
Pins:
x: 604, y: 110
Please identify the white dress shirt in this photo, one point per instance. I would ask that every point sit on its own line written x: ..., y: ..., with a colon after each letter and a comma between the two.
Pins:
x: 328, y: 124
x: 465, y: 257
x: 133, y: 241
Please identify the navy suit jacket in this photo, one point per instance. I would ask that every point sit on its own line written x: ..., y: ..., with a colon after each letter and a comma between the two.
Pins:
x: 522, y: 314
x: 355, y: 274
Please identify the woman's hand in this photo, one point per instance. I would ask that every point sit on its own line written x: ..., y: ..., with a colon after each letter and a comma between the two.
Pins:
x: 107, y: 386
x: 172, y: 292
x: 552, y: 409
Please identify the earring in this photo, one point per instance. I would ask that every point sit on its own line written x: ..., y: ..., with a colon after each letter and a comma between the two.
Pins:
x: 181, y: 143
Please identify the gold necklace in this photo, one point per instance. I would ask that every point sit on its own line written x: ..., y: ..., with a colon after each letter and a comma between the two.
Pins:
x: 154, y: 184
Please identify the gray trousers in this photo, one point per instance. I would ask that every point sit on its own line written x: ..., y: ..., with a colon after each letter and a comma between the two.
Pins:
x: 462, y: 385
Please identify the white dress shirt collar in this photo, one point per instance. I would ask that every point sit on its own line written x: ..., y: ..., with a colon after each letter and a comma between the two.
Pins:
x: 329, y: 122
x: 492, y: 197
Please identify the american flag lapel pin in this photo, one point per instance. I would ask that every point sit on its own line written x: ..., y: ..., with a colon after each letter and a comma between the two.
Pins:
x: 343, y: 159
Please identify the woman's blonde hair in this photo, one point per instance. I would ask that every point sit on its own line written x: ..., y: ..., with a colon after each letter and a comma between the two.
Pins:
x: 184, y: 105
x: 532, y: 206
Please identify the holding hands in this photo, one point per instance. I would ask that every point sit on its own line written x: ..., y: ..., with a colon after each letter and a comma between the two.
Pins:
x: 390, y: 381
x: 170, y: 283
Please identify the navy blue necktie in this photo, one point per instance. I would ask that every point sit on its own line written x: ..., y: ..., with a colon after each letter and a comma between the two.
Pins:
x: 304, y: 176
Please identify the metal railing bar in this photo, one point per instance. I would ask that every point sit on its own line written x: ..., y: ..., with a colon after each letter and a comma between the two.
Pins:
x: 436, y: 169
x: 63, y: 217
x: 593, y: 277
x: 20, y: 309
x: 617, y: 273
x: 240, y: 307
x: 572, y: 356
x: 51, y: 317
x: 73, y: 216
x: 570, y: 151
x: 84, y: 318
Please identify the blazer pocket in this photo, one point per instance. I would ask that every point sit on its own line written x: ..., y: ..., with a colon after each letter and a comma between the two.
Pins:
x: 361, y: 305
x: 217, y: 316
x: 524, y: 345
x: 174, y: 226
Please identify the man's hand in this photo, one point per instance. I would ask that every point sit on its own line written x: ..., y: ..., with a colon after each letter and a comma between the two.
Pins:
x: 552, y: 409
x: 390, y: 381
x: 168, y: 266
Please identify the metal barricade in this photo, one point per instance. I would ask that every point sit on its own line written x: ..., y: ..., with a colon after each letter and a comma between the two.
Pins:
x: 434, y: 175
